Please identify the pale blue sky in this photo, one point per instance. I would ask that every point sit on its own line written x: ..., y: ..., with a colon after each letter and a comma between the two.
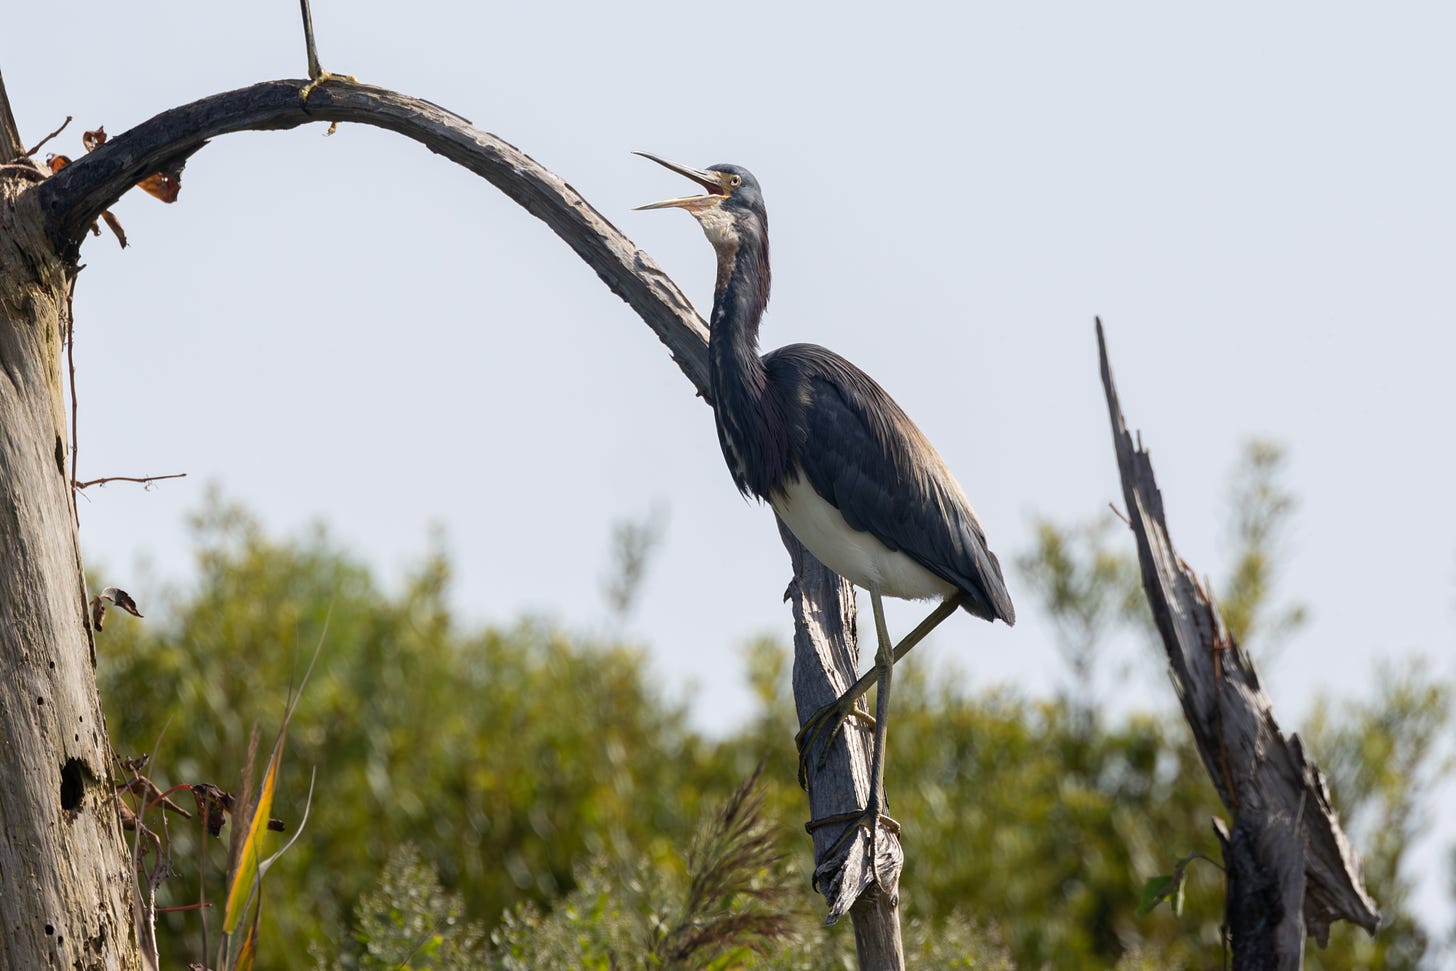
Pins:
x: 1257, y: 199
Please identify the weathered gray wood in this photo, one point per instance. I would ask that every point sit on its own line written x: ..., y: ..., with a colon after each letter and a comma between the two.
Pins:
x: 1264, y: 867
x: 876, y: 919
x: 1286, y: 835
x: 825, y: 666
x: 11, y: 147
x: 64, y: 879
x: 823, y: 604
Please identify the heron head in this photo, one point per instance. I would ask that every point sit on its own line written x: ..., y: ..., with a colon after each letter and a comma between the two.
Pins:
x: 730, y: 207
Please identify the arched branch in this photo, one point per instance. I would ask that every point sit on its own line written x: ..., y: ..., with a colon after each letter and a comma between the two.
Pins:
x: 74, y: 197
x: 824, y: 641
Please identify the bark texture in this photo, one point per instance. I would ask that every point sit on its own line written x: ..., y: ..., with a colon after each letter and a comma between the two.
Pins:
x: 1291, y: 870
x: 66, y: 204
x: 11, y: 148
x: 64, y: 876
x: 825, y: 660
x: 1265, y: 892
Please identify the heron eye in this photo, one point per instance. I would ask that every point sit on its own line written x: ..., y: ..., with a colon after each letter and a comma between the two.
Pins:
x: 736, y: 181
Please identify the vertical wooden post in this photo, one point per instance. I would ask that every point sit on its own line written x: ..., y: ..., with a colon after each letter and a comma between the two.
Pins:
x: 825, y: 655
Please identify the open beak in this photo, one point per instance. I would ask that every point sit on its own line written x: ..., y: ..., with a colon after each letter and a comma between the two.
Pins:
x: 712, y: 182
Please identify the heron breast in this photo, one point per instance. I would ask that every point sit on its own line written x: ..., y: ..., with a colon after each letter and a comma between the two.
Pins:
x: 857, y: 556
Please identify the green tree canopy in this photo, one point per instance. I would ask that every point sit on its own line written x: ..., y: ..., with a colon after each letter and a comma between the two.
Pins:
x: 506, y: 783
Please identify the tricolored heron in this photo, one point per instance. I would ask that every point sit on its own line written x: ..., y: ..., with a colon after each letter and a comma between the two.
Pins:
x: 843, y: 466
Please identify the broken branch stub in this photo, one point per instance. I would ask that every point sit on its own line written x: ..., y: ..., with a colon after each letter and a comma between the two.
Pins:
x: 1262, y: 776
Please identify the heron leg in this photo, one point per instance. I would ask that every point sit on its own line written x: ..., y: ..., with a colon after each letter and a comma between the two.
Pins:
x: 873, y: 815
x: 826, y: 723
x: 316, y: 74
x: 885, y: 668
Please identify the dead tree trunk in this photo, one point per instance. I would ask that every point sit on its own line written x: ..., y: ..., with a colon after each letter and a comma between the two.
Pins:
x: 64, y: 870
x: 825, y: 661
x: 1291, y: 872
x: 44, y: 222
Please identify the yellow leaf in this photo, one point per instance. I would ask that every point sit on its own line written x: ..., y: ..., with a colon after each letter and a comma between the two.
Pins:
x: 247, y: 871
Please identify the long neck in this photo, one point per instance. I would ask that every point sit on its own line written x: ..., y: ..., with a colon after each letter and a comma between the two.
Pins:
x: 739, y: 300
x: 754, y: 440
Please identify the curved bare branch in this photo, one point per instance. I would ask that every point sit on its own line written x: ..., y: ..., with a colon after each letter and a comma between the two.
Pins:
x: 73, y: 198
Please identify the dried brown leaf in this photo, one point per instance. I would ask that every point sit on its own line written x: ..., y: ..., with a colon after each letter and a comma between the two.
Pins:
x: 122, y: 599
x: 213, y: 803
x: 163, y: 185
x: 216, y: 804
x: 115, y: 595
x: 113, y: 224
x: 152, y: 793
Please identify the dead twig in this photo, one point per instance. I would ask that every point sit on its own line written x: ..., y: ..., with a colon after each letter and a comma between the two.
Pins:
x: 145, y: 480
x: 140, y: 785
x: 41, y: 144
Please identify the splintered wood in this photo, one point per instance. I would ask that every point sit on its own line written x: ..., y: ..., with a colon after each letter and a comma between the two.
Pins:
x: 1292, y: 871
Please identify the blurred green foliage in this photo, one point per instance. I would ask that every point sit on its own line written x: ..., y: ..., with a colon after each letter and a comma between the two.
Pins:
x: 408, y: 920
x: 1260, y: 507
x: 1088, y: 589
x: 517, y: 795
x: 505, y: 756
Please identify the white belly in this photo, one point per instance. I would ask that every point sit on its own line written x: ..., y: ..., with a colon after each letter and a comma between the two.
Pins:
x: 858, y: 557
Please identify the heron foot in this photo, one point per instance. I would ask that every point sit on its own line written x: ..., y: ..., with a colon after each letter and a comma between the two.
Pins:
x: 322, y: 77
x: 869, y: 820
x: 825, y: 724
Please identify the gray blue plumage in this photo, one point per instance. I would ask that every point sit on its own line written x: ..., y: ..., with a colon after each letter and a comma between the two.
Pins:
x: 861, y: 452
x: 845, y: 469
x: 804, y: 411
